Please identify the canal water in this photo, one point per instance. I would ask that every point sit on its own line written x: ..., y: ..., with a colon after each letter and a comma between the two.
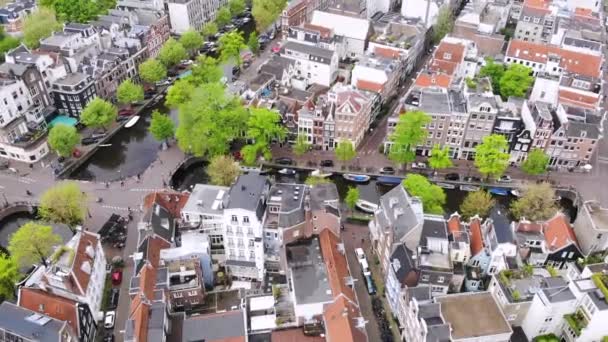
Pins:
x: 11, y: 223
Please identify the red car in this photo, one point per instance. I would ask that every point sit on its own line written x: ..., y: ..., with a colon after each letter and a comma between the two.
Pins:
x: 126, y: 112
x: 116, y: 277
x: 76, y: 153
x: 237, y: 155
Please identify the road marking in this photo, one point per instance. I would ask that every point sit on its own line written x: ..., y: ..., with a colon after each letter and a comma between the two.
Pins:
x: 114, y: 207
x: 603, y: 160
x: 146, y: 190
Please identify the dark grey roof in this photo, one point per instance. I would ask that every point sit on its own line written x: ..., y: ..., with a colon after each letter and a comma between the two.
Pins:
x: 457, y: 101
x: 477, y: 99
x: 433, y: 227
x: 502, y: 226
x: 29, y: 324
x: 435, y: 102
x: 325, y: 196
x: 324, y: 54
x: 400, y: 212
x: 582, y: 130
x: 207, y: 199
x: 421, y: 293
x: 246, y: 193
x: 213, y: 327
x: 433, y: 277
x: 161, y: 221
x: 559, y: 294
x: 543, y: 110
x: 438, y: 333
x: 402, y: 262
x: 276, y: 65
x: 17, y: 69
x: 290, y: 197
x: 308, y: 272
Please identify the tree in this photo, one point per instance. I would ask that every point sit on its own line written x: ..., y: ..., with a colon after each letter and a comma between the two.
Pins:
x: 409, y: 132
x: 316, y: 180
x: 172, y: 53
x: 265, y: 12
x: 515, y: 81
x: 209, y: 29
x: 9, y: 276
x: 263, y: 127
x: 129, y: 92
x: 80, y: 11
x: 161, y: 126
x: 210, y: 121
x: 98, y: 113
x: 206, y: 70
x: 152, y: 71
x: 432, y: 196
x: 352, y: 196
x: 302, y: 146
x: 179, y: 93
x: 536, y: 204
x: 231, y: 45
x: 491, y: 158
x: 63, y: 138
x: 32, y: 243
x: 445, y: 24
x: 494, y: 71
x: 536, y: 163
x: 477, y: 203
x: 7, y: 43
x: 440, y: 158
x: 223, y: 16
x: 191, y: 40
x: 254, y: 43
x: 64, y: 203
x: 345, y: 151
x: 38, y: 25
x: 223, y: 170
x: 236, y: 7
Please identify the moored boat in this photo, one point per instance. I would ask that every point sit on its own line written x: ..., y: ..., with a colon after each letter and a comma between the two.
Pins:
x: 499, y: 191
x: 466, y: 187
x: 446, y: 185
x: 389, y: 180
x: 321, y: 174
x: 516, y: 192
x: 132, y: 121
x: 366, y: 206
x: 287, y: 172
x: 356, y: 178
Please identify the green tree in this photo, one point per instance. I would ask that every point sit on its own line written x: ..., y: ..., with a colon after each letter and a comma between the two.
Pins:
x: 236, y: 7
x: 432, y: 196
x: 445, y: 24
x: 302, y: 146
x: 9, y: 276
x: 98, y: 113
x: 254, y: 43
x: 223, y: 170
x: 191, y: 40
x: 161, y: 127
x: 38, y: 25
x: 206, y: 70
x: 494, y: 71
x: 440, y: 158
x: 316, y: 180
x: 63, y: 138
x: 409, y: 132
x: 536, y: 163
x: 32, y: 243
x: 265, y: 12
x: 152, y: 71
x: 223, y: 16
x: 172, y: 53
x: 491, y: 157
x: 516, y: 81
x: 263, y: 126
x: 231, y: 45
x: 536, y: 204
x: 477, y: 203
x: 80, y: 11
x: 345, y: 151
x: 7, y: 43
x: 352, y: 196
x: 210, y: 121
x: 209, y: 29
x: 129, y: 92
x: 64, y: 203
x: 179, y: 93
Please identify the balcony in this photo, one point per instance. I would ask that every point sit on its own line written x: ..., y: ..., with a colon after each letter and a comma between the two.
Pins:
x: 577, y: 321
x: 31, y: 138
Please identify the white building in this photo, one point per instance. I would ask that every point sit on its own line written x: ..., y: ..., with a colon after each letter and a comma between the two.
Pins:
x: 587, y: 320
x: 354, y: 30
x: 425, y: 10
x: 192, y: 14
x: 313, y: 64
x: 374, y: 6
x: 591, y: 227
x: 593, y: 5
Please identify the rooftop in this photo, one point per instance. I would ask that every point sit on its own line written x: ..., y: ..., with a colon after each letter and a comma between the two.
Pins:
x: 246, y: 193
x: 207, y: 199
x: 342, y: 25
x: 290, y: 200
x: 309, y: 274
x: 29, y: 324
x: 226, y: 326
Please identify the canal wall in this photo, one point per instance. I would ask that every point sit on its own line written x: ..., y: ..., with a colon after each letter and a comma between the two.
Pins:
x: 16, y: 207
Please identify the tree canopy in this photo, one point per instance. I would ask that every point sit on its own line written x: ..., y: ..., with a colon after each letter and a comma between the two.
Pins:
x: 152, y: 71
x: 253, y: 43
x: 129, y: 92
x: 536, y: 204
x: 352, y: 196
x: 209, y: 29
x: 98, y: 113
x: 432, y: 196
x: 345, y: 151
x: 477, y: 203
x: 409, y: 133
x: 440, y: 158
x: 231, y: 45
x: 516, y: 81
x: 9, y: 276
x: 161, y: 126
x: 32, y: 243
x: 172, y: 53
x: 494, y: 71
x: 444, y: 25
x: 223, y: 170
x: 38, y: 25
x: 264, y: 126
x: 265, y: 12
x: 63, y: 138
x: 206, y: 70
x: 223, y: 16
x: 7, y: 43
x: 491, y: 157
x: 178, y: 93
x: 191, y: 40
x: 64, y: 203
x: 536, y: 163
x: 236, y: 7
x: 301, y: 146
x: 80, y: 11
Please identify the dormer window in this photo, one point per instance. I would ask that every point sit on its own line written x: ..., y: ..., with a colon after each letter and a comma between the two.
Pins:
x: 447, y: 56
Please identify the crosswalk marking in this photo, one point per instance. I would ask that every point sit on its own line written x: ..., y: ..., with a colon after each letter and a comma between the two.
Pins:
x: 114, y: 207
x: 147, y: 190
x: 603, y: 160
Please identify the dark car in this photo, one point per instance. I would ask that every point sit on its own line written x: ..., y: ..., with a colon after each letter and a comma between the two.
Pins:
x: 387, y: 170
x: 88, y: 141
x: 284, y: 161
x: 108, y: 338
x: 473, y: 179
x: 452, y: 177
x: 369, y: 283
x: 114, y: 295
x: 327, y: 163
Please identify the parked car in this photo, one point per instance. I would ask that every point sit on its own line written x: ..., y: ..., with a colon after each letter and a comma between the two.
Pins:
x: 284, y: 161
x: 452, y: 176
x: 117, y: 277
x: 237, y: 155
x: 369, y: 283
x: 114, y: 295
x: 505, y: 179
x: 186, y: 62
x: 163, y: 83
x: 327, y: 163
x: 108, y: 322
x: 473, y: 179
x: 76, y: 153
x: 418, y: 166
x: 387, y: 170
x: 88, y: 141
x: 98, y: 135
x: 360, y: 254
x: 126, y: 112
x: 109, y: 338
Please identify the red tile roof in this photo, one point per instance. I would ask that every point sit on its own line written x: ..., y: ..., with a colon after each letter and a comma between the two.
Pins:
x: 454, y: 224
x: 537, y: 3
x: 81, y: 257
x: 51, y: 305
x: 529, y: 227
x: 559, y: 233
x: 426, y: 79
x: 571, y: 61
x: 386, y: 52
x: 476, y: 238
x: 337, y: 265
x: 578, y: 100
x: 340, y: 321
x: 174, y: 202
x: 370, y: 86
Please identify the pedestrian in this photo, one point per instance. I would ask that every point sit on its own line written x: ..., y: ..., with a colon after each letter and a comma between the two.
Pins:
x: 129, y: 209
x: 138, y: 177
x: 160, y: 161
x: 164, y: 184
x: 107, y: 185
x: 122, y: 183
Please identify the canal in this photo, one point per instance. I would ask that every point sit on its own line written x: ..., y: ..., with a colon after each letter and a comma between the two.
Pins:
x: 10, y: 224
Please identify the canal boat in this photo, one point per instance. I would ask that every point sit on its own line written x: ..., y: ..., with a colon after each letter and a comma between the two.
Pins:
x: 356, y: 178
x: 389, y: 180
x: 132, y: 121
x: 446, y: 185
x: 499, y: 191
x: 366, y: 206
x: 516, y: 193
x: 320, y: 174
x: 287, y: 172
x: 466, y: 187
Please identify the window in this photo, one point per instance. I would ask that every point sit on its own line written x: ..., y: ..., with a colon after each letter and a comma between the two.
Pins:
x: 512, y: 317
x: 441, y: 279
x: 425, y: 277
x: 192, y: 293
x: 178, y: 295
x: 234, y: 219
x: 447, y: 56
x: 246, y: 219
